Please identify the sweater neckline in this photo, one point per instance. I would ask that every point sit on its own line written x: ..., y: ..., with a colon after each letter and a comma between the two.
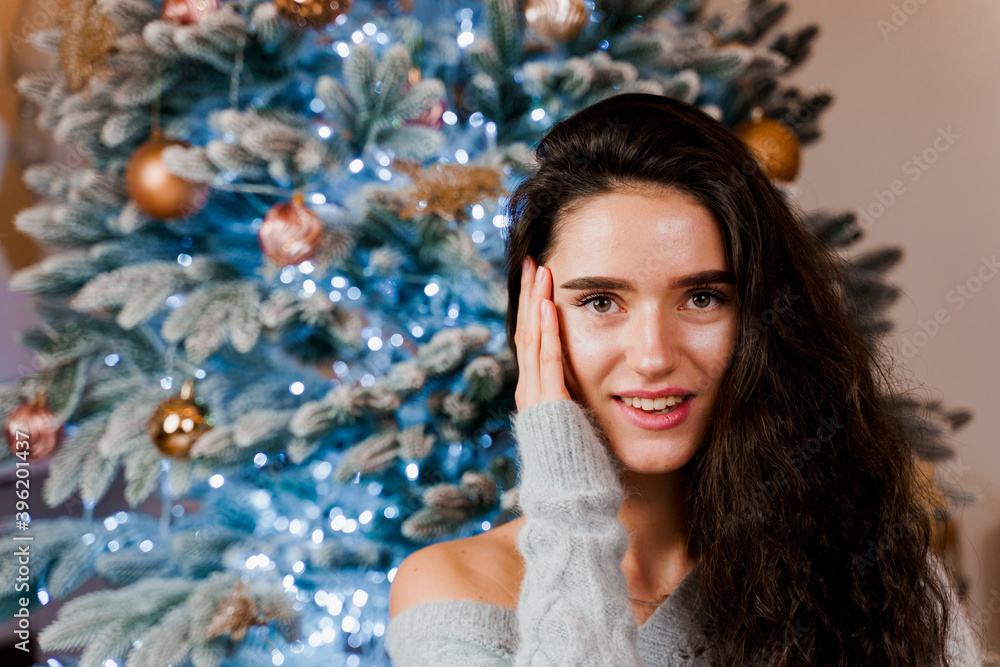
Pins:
x: 680, y: 600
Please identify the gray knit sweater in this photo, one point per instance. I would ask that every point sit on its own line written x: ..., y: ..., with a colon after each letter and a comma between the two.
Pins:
x: 574, y: 606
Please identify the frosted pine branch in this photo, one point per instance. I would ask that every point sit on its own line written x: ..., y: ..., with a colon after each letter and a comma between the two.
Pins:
x: 372, y: 95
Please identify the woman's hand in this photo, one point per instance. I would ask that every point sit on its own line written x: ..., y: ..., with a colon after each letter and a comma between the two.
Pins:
x: 536, y: 337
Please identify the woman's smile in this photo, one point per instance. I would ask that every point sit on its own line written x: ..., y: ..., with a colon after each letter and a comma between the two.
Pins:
x: 657, y: 420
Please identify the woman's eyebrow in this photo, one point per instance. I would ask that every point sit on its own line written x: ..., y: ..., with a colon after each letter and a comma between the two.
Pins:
x: 598, y: 282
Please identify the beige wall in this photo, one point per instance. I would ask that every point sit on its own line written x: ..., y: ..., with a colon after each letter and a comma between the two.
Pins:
x: 895, y: 92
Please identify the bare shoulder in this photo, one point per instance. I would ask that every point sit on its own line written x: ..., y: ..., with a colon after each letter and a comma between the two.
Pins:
x: 481, y: 568
x: 427, y: 574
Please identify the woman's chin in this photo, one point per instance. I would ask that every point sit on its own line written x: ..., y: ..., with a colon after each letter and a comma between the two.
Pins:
x: 653, y: 458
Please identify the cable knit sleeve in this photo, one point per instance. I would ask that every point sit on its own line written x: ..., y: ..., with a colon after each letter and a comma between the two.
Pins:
x: 573, y: 607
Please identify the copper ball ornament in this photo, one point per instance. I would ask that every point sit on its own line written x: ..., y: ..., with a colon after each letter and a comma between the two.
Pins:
x: 313, y: 13
x: 188, y: 12
x: 291, y: 232
x: 157, y: 192
x: 178, y: 422
x: 556, y: 20
x: 32, y: 431
x: 775, y: 146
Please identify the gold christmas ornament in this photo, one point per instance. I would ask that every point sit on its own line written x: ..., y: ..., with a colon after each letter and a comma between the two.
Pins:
x: 446, y: 189
x: 556, y: 20
x: 157, y: 192
x: 32, y: 431
x: 313, y: 13
x: 178, y: 422
x: 88, y: 38
x: 774, y: 144
x: 188, y: 12
x: 291, y: 232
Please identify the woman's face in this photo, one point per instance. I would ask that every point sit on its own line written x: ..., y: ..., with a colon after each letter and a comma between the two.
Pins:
x: 636, y: 319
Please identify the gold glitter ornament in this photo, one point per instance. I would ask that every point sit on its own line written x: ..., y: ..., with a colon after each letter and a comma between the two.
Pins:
x: 178, y: 422
x: 556, y: 20
x: 774, y: 144
x: 313, y: 13
x: 88, y: 38
x: 446, y: 189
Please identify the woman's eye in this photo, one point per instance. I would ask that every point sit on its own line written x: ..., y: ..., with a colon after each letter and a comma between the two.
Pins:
x: 705, y: 297
x: 602, y: 304
x: 702, y: 298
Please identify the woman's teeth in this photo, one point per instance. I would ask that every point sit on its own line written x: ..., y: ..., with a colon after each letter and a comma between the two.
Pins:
x: 659, y: 405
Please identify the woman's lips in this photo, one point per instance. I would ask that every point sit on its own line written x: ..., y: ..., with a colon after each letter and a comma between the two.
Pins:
x: 654, y: 422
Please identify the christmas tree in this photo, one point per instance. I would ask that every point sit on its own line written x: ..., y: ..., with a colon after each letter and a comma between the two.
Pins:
x: 274, y: 298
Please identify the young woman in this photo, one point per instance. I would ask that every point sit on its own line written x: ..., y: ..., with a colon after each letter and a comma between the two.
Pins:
x: 707, y: 453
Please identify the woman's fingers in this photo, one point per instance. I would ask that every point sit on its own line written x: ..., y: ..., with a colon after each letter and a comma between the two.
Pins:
x: 534, y: 326
x: 553, y: 384
x: 539, y: 349
x: 524, y: 304
x: 533, y: 329
x: 526, y: 338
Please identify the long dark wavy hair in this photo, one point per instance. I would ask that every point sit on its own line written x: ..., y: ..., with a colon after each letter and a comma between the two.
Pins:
x: 806, y: 511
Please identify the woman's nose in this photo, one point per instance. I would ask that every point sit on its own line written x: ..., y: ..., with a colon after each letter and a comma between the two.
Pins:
x: 652, y: 345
